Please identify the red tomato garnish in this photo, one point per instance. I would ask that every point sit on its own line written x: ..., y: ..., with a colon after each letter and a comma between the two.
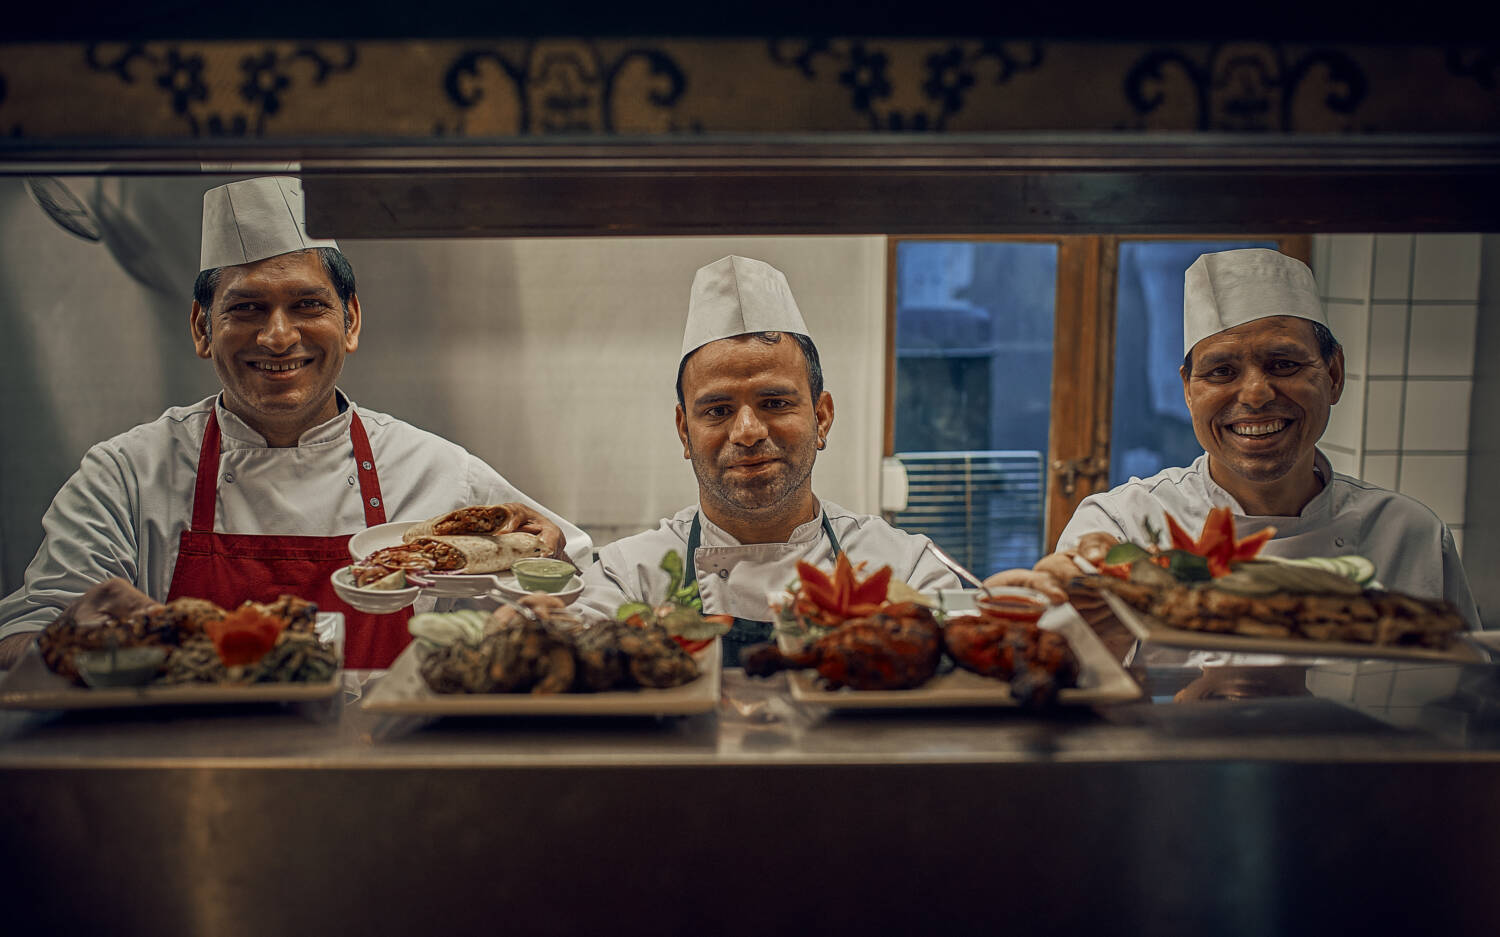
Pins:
x: 1216, y: 543
x: 244, y: 635
x: 692, y: 647
x: 842, y: 596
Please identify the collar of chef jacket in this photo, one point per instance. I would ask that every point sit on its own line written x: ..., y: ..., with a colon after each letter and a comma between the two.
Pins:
x: 1316, y: 521
x: 736, y: 578
x: 335, y: 428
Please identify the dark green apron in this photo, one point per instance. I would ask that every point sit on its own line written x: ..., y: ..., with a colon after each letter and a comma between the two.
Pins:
x: 746, y: 631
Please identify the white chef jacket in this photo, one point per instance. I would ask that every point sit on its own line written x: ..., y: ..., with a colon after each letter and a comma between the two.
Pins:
x: 734, y: 578
x: 123, y: 511
x: 1412, y: 549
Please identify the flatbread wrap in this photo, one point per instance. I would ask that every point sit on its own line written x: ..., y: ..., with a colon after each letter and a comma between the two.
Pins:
x: 442, y: 554
x: 474, y: 520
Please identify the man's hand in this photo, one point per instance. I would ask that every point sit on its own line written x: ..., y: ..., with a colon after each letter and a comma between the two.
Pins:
x: 508, y: 616
x: 1053, y: 572
x: 534, y: 522
x: 13, y: 647
x: 1030, y: 579
x: 112, y: 599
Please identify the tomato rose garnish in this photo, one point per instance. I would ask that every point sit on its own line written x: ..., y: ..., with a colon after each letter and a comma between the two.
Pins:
x: 1216, y: 543
x: 842, y: 596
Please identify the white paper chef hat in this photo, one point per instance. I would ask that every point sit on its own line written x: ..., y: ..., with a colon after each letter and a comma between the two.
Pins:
x: 1231, y: 288
x: 736, y: 296
x: 253, y: 219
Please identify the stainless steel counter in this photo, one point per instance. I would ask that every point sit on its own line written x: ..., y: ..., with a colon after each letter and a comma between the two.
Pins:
x: 1257, y: 816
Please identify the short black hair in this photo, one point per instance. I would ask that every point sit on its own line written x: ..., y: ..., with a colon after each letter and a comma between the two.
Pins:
x: 1327, y: 346
x: 335, y: 264
x: 809, y: 355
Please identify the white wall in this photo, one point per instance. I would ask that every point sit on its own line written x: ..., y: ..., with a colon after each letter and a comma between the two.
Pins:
x: 1405, y: 308
x: 555, y: 360
x: 95, y: 338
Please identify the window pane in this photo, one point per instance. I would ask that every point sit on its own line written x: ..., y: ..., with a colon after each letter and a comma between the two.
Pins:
x: 974, y: 323
x: 1150, y: 427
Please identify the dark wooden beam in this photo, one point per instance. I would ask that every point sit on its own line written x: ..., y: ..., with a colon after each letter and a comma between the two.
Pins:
x: 897, y: 201
x: 875, y: 184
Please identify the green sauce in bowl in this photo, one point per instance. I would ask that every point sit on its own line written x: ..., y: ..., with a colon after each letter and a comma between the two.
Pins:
x: 540, y: 574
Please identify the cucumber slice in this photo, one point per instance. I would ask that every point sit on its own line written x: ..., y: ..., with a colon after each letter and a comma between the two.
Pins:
x: 1358, y: 568
x: 1351, y: 566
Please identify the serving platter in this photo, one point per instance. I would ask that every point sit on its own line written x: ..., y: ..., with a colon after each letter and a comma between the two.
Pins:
x: 402, y: 690
x: 1101, y: 679
x: 1150, y: 629
x: 31, y: 685
x: 379, y: 537
x: 444, y: 585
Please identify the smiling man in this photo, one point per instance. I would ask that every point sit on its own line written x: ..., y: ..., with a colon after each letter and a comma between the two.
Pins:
x: 1261, y: 372
x: 752, y: 416
x: 255, y: 491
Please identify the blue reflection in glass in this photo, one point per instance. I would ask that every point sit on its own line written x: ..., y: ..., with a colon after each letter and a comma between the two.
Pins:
x: 1150, y: 426
x: 974, y: 324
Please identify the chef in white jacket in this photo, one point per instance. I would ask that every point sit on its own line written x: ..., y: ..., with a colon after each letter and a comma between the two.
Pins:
x: 1260, y: 374
x: 255, y: 490
x: 752, y: 415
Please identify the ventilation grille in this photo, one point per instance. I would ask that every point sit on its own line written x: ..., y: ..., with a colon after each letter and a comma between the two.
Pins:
x: 983, y: 507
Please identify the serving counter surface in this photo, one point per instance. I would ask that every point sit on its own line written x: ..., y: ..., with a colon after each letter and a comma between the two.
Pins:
x: 1272, y: 814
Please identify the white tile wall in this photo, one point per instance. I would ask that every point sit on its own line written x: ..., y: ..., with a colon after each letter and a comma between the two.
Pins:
x: 1350, y: 323
x: 1382, y: 416
x: 1442, y: 340
x: 1387, y: 339
x: 1446, y: 267
x: 1344, y: 463
x: 1320, y: 253
x: 1407, y: 308
x: 1381, y: 470
x: 1436, y: 415
x: 1438, y: 482
x: 1393, y: 255
x: 1349, y: 259
x: 1344, y: 428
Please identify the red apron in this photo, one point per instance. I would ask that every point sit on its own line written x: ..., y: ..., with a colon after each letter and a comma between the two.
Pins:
x: 228, y: 569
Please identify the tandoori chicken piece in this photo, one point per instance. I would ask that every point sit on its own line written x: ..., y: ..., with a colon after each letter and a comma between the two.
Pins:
x: 1036, y: 662
x: 896, y: 649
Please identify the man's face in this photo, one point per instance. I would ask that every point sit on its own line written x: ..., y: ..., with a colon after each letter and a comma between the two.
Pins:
x: 748, y: 424
x: 1259, y: 394
x: 278, y: 341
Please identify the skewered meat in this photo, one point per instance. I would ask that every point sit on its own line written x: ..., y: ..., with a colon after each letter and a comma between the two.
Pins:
x: 519, y: 655
x: 532, y: 655
x: 116, y: 613
x: 600, y: 660
x: 896, y: 649
x: 1366, y: 616
x: 654, y: 659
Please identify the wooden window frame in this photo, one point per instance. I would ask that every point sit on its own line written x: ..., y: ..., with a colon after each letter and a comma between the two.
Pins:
x: 1079, y: 425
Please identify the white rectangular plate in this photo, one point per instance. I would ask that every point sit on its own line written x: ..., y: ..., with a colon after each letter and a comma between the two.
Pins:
x: 1151, y: 629
x: 1101, y: 678
x: 402, y: 690
x: 30, y: 685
